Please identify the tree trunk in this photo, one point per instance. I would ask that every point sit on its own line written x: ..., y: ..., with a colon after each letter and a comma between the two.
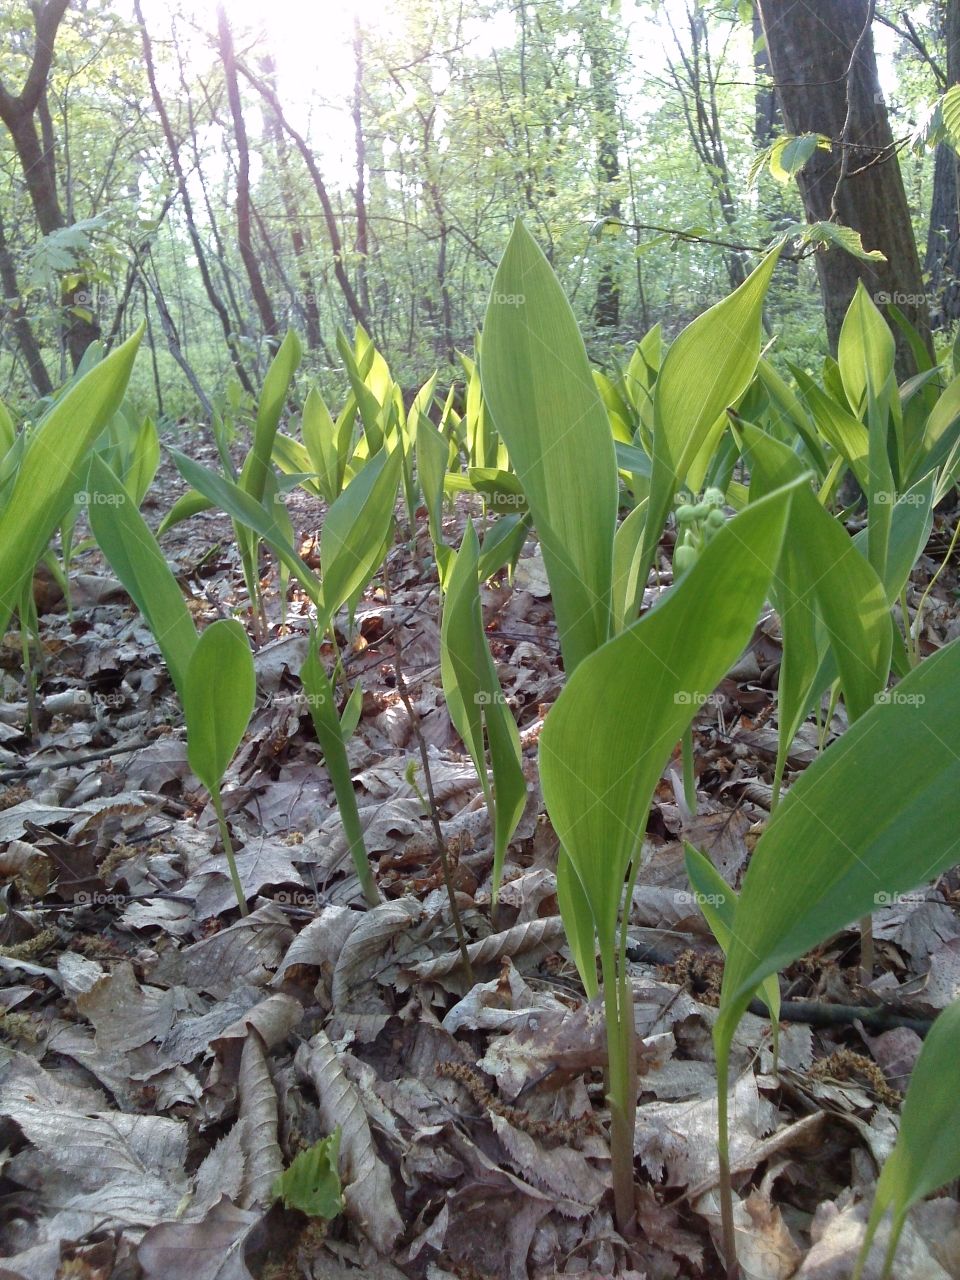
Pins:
x: 35, y: 151
x: 308, y: 294
x: 22, y: 328
x: 261, y: 297
x: 173, y: 147
x: 765, y: 115
x: 942, y: 262
x: 603, y: 92
x: 825, y: 70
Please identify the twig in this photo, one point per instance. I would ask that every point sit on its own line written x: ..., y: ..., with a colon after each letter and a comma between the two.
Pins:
x: 814, y: 1013
x: 22, y: 772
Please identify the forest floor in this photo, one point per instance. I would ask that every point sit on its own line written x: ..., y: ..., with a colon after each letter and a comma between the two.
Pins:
x: 162, y: 1058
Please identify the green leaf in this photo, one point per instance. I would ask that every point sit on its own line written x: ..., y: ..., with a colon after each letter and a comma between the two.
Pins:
x: 219, y: 694
x: 188, y: 504
x: 707, y: 369
x: 245, y: 510
x: 865, y: 351
x: 950, y: 115
x: 539, y: 390
x: 53, y: 468
x: 874, y: 815
x: 822, y: 580
x: 789, y: 155
x: 331, y: 734
x: 830, y: 235
x: 475, y: 699
x: 610, y: 733
x: 319, y: 433
x: 578, y: 924
x: 136, y: 559
x: 272, y: 399
x: 433, y: 457
x: 311, y: 1183
x: 355, y: 530
x: 927, y: 1152
x: 718, y: 902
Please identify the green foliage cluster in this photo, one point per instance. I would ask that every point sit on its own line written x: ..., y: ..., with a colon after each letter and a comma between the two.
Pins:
x: 551, y: 446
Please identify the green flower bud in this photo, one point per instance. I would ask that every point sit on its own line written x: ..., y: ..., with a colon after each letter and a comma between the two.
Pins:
x: 701, y: 511
x: 716, y: 519
x: 714, y: 497
x: 685, y: 513
x: 684, y: 558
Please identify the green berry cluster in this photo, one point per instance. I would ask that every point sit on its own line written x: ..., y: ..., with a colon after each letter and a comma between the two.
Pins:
x: 697, y: 522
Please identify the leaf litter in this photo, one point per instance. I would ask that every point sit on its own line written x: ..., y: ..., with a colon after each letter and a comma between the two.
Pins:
x: 163, y: 1060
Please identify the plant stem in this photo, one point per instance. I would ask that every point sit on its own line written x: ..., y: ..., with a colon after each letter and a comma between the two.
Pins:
x: 228, y: 850
x: 866, y: 950
x: 619, y: 1026
x: 689, y: 773
x: 439, y: 841
x: 725, y: 1186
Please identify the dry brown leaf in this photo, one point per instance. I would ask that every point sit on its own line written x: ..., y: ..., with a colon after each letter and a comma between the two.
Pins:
x: 364, y: 949
x: 258, y: 1112
x: 520, y: 939
x: 367, y: 1191
x: 209, y: 1250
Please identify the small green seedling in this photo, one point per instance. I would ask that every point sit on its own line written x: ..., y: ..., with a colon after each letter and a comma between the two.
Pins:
x: 312, y: 1183
x: 218, y: 698
x: 927, y: 1152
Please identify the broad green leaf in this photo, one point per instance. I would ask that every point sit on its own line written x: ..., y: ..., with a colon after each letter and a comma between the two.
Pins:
x: 53, y: 467
x: 295, y: 463
x: 144, y: 460
x: 875, y: 814
x: 272, y: 399
x: 320, y: 437
x: 311, y: 1183
x: 245, y: 510
x: 8, y: 430
x: 940, y: 432
x: 865, y: 352
x: 355, y: 530
x: 841, y: 430
x: 627, y: 587
x: 612, y: 729
x: 927, y: 1151
x: 822, y: 580
x: 578, y: 924
x: 502, y: 544
x: 188, y: 504
x: 433, y: 457
x: 707, y: 369
x: 133, y: 554
x: 718, y: 902
x: 789, y: 155
x: 475, y: 699
x: 331, y: 735
x: 219, y: 694
x: 539, y: 389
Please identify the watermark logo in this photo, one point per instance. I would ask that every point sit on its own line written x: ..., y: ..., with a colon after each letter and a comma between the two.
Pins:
x: 884, y: 899
x: 296, y: 898
x: 893, y: 697
x: 86, y: 498
x: 684, y: 698
x: 496, y: 299
x: 484, y: 699
x: 885, y: 498
x: 883, y: 298
x: 685, y: 899
x: 97, y: 899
